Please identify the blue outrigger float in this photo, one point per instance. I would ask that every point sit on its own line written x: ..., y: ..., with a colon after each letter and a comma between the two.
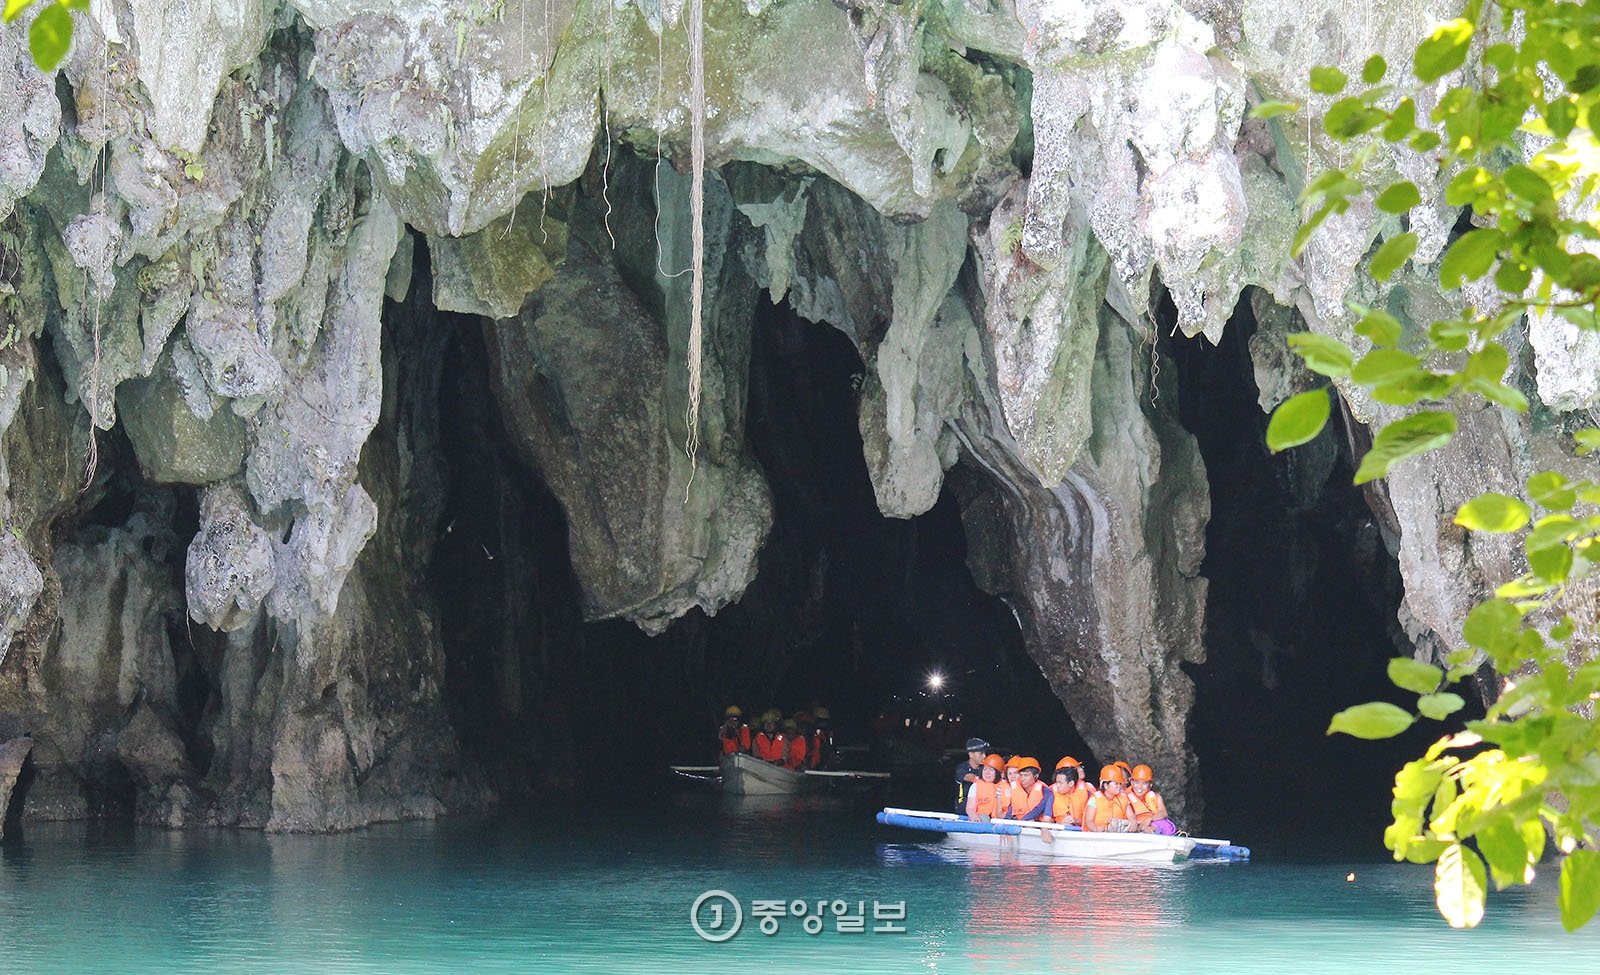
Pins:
x: 1069, y: 842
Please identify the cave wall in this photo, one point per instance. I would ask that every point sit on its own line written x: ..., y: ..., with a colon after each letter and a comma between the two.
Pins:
x: 203, y: 214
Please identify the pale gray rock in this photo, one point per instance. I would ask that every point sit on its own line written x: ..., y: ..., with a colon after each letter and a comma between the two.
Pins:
x: 12, y: 754
x: 229, y: 568
x: 20, y: 587
x: 173, y: 445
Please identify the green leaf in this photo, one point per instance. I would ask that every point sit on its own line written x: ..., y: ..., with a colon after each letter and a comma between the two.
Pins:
x: 1379, y: 326
x: 1440, y: 706
x: 1443, y: 51
x: 50, y: 37
x: 1562, y: 116
x: 1527, y: 184
x: 1373, y: 71
x: 1402, y: 121
x: 1587, y: 441
x: 1488, y: 363
x: 1399, y: 197
x: 1513, y: 277
x: 1349, y: 117
x: 1494, y: 512
x: 1459, y: 886
x: 1327, y: 81
x: 1552, y: 490
x: 1374, y: 720
x: 1382, y: 366
x: 1580, y: 888
x: 1553, y: 563
x: 1322, y: 353
x: 1492, y: 626
x: 1298, y: 420
x: 14, y: 9
x: 1470, y: 257
x: 1412, y: 389
x: 1406, y: 437
x: 1502, y: 845
x: 1394, y: 253
x: 1274, y: 109
x: 1414, y: 675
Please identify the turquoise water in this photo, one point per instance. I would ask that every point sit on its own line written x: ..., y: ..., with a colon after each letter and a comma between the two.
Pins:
x: 530, y: 892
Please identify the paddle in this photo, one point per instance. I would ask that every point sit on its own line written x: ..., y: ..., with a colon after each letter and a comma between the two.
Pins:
x: 852, y: 775
x: 692, y: 769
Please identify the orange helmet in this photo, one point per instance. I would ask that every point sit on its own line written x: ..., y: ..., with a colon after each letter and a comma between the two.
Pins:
x: 1067, y: 761
x: 1032, y: 763
x: 1126, y: 768
x: 1014, y: 761
x: 1114, y: 773
x: 1142, y: 773
x: 733, y: 711
x: 995, y: 762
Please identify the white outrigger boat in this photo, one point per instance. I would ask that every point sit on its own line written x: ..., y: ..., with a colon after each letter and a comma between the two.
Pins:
x: 1066, y: 842
x: 745, y: 775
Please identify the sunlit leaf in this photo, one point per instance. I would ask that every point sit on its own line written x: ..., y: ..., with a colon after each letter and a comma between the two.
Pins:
x: 1373, y: 71
x: 1374, y: 720
x: 1502, y: 845
x: 1440, y: 706
x: 14, y: 9
x: 1587, y: 440
x: 1393, y: 254
x: 1552, y: 490
x: 1402, y: 121
x: 1399, y: 197
x: 1526, y: 183
x: 1405, y: 437
x: 1384, y: 366
x: 1327, y: 80
x: 1580, y: 888
x: 1492, y: 626
x: 1414, y: 675
x: 1298, y: 420
x: 1443, y: 51
x: 1322, y: 353
x: 1552, y: 563
x: 50, y: 37
x: 1459, y: 886
x: 1494, y: 512
x: 1470, y: 257
x: 1380, y: 327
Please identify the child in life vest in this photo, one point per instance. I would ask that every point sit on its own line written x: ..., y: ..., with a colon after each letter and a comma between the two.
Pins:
x: 1149, y: 809
x: 983, y: 795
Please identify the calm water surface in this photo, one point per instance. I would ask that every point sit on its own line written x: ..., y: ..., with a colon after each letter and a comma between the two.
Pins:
x: 532, y: 892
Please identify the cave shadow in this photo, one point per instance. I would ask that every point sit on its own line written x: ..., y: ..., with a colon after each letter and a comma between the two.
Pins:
x: 848, y: 609
x: 1300, y: 619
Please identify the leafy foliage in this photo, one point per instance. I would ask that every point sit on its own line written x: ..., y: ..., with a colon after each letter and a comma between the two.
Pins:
x: 1515, y: 134
x: 50, y: 34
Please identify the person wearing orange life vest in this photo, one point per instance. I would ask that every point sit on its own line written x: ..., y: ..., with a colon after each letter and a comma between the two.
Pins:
x: 794, y: 748
x: 768, y: 744
x: 734, y: 734
x: 1149, y: 809
x: 1069, y: 794
x: 1109, y: 811
x: 983, y: 795
x: 1028, y: 798
x: 819, y: 746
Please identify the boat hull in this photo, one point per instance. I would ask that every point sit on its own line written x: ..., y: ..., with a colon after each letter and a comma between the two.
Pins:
x: 746, y: 775
x: 1024, y: 838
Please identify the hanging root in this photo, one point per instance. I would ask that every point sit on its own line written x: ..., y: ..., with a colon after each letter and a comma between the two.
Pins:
x: 697, y: 157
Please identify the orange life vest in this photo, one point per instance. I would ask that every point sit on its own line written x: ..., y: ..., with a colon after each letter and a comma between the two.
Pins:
x: 1151, y: 807
x: 820, y: 740
x: 984, y: 795
x: 1103, y: 808
x: 739, y: 741
x: 795, y: 756
x: 1072, y: 802
x: 770, y: 748
x: 1023, y: 800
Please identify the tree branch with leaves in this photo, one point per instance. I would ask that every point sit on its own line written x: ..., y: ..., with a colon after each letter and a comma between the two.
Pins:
x: 1517, y: 140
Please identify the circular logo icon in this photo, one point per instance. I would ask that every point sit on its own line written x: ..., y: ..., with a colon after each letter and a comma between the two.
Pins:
x: 716, y: 915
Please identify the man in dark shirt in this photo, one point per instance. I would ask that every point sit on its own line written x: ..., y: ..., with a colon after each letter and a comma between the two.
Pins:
x: 969, y: 771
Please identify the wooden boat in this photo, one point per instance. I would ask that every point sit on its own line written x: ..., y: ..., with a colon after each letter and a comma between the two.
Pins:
x: 745, y: 775
x: 1065, y: 842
